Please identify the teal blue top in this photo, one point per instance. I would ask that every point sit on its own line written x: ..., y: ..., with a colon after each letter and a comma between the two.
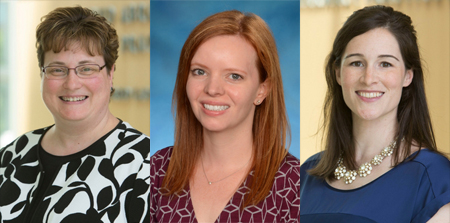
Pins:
x: 410, y: 192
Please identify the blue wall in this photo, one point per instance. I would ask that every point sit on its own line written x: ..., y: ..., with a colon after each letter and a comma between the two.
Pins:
x: 170, y: 24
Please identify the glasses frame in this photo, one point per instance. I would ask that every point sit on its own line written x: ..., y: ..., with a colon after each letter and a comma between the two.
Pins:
x: 68, y: 71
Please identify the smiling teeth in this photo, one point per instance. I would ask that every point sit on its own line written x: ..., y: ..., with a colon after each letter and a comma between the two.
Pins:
x: 73, y: 98
x: 216, y: 107
x: 370, y: 95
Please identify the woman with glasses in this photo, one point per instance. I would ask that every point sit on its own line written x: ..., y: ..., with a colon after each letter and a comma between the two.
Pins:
x: 229, y: 162
x: 89, y: 166
x: 381, y: 162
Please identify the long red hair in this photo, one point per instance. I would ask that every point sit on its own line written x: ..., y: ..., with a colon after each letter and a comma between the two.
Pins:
x: 270, y: 124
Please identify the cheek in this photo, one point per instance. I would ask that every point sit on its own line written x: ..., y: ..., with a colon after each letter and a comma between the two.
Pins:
x: 394, y: 81
x: 97, y: 84
x: 242, y: 95
x: 190, y: 89
x: 49, y: 86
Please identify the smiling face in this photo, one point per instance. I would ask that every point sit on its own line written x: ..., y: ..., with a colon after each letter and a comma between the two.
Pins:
x: 73, y: 98
x: 223, y: 86
x: 372, y: 75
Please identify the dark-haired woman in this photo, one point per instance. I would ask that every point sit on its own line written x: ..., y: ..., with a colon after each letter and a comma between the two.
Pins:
x: 380, y: 162
x: 89, y: 166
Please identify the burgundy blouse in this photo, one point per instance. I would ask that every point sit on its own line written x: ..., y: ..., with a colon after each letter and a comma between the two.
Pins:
x: 281, y: 205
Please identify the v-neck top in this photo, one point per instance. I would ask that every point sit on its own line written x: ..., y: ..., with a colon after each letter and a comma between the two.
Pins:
x: 282, y: 204
x: 413, y: 192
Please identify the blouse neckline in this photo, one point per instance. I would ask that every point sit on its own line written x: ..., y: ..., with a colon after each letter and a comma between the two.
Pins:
x: 371, y: 182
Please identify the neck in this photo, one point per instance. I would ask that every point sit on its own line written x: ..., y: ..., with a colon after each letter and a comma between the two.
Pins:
x: 227, y: 149
x: 372, y: 136
x: 68, y: 137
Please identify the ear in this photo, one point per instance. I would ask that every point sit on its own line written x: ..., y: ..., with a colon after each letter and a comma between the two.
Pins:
x: 111, y: 74
x: 263, y: 90
x: 337, y: 71
x: 408, y: 78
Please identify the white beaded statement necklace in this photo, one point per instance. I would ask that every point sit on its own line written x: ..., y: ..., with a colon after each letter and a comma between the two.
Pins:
x: 365, y: 169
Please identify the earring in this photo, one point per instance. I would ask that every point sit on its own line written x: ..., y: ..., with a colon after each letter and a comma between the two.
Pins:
x: 258, y: 102
x: 112, y: 89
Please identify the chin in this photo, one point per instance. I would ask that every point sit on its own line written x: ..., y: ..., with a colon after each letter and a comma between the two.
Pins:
x: 72, y: 117
x: 369, y: 117
x: 213, y: 127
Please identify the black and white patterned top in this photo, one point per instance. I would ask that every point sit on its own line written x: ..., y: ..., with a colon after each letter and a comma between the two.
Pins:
x: 106, y: 182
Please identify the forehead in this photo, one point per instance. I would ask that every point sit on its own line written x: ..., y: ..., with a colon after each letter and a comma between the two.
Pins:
x: 72, y: 53
x: 378, y: 41
x: 232, y: 48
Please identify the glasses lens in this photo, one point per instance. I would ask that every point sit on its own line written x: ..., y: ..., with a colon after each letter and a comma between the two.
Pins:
x: 55, y: 72
x: 87, y: 70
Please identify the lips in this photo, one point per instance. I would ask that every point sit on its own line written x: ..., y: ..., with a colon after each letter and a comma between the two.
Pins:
x: 73, y: 99
x: 369, y: 94
x: 215, y: 107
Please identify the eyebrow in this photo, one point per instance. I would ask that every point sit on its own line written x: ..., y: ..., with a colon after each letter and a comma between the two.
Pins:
x: 64, y: 64
x: 227, y: 69
x: 353, y: 55
x: 387, y: 55
x: 86, y: 62
x: 380, y: 56
x: 198, y: 64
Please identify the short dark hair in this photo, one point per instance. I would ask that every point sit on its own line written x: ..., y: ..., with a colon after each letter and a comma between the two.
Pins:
x: 67, y: 25
x: 412, y: 114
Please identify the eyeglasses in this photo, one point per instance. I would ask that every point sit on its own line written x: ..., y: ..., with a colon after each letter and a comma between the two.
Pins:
x: 84, y: 71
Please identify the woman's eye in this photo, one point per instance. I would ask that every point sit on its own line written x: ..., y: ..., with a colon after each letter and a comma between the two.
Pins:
x: 235, y: 76
x: 198, y: 72
x: 86, y: 69
x: 386, y: 64
x: 356, y: 64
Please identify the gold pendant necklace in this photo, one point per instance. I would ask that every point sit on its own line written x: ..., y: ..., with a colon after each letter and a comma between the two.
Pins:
x: 210, y: 182
x: 364, y: 170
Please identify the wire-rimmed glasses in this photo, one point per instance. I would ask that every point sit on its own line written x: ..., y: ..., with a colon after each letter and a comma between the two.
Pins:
x: 84, y: 71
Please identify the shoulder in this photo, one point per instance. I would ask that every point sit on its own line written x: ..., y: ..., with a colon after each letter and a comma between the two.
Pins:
x: 432, y: 171
x: 311, y: 161
x: 126, y: 127
x: 24, y: 143
x: 126, y: 138
x: 290, y: 167
x: 286, y: 187
x: 159, y: 162
x: 161, y: 156
x: 432, y: 161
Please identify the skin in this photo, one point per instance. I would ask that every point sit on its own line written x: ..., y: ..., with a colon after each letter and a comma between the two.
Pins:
x: 77, y: 124
x: 372, y: 63
x: 443, y: 215
x: 223, y: 73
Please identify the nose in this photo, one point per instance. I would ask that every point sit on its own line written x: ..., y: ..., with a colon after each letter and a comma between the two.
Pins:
x: 72, y: 80
x: 214, y: 85
x: 370, y: 76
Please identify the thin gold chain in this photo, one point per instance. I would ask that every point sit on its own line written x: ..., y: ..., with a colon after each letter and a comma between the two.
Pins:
x: 210, y: 182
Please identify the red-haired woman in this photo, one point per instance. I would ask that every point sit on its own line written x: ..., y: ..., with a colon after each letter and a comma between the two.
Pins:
x: 229, y: 162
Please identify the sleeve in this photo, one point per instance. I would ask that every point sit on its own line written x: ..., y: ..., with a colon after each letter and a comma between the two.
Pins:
x: 153, y: 190
x: 292, y: 200
x: 138, y: 207
x: 158, y: 166
x: 434, y: 189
